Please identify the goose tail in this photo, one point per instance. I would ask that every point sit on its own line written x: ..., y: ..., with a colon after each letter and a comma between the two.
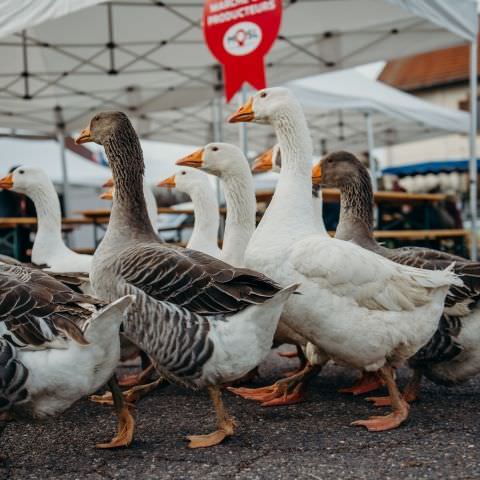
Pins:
x: 107, y: 322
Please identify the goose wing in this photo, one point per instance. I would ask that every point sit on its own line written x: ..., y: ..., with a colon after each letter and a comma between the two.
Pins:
x: 372, y: 281
x: 37, y: 311
x: 460, y: 298
x: 193, y: 280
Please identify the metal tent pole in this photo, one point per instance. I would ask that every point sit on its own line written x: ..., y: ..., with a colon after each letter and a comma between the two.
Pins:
x: 371, y: 147
x: 473, y: 173
x: 217, y: 117
x: 63, y: 157
x: 243, y: 126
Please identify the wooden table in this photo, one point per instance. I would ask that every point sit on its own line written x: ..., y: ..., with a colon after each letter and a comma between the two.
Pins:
x: 11, y: 239
x: 100, y: 216
x: 333, y: 195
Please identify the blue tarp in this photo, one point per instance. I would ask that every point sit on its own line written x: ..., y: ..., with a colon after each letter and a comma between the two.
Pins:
x: 430, y: 167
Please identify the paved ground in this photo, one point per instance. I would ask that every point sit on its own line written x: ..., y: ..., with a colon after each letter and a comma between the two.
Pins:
x: 308, y: 441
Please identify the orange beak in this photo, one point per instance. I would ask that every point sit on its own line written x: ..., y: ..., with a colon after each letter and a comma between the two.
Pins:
x: 317, y: 174
x: 168, y: 182
x: 108, y: 195
x: 108, y: 183
x: 84, y: 137
x: 263, y: 163
x: 244, y: 113
x: 194, y: 160
x: 7, y: 182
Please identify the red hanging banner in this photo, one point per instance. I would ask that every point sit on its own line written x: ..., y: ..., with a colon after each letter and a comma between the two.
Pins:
x: 239, y: 33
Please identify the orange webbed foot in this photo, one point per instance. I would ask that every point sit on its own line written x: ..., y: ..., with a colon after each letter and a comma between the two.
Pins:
x: 369, y: 382
x: 387, y: 422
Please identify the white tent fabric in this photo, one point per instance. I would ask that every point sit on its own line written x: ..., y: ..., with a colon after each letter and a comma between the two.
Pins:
x: 457, y: 17
x: 336, y: 104
x: 159, y: 160
x: 146, y: 57
x: 20, y: 14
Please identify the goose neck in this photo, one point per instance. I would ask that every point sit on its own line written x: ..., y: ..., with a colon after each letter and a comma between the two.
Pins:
x: 241, y: 208
x: 295, y: 142
x: 129, y: 211
x: 356, y: 210
x: 207, y: 218
x: 290, y: 213
x: 48, y: 239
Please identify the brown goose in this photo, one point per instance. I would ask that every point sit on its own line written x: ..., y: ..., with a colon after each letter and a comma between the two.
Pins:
x: 56, y: 346
x: 453, y: 353
x: 202, y: 322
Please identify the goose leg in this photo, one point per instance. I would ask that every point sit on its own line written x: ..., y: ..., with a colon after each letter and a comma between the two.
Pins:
x: 410, y: 394
x: 126, y: 423
x: 137, y: 378
x: 130, y: 396
x: 284, y: 392
x: 298, y: 354
x: 226, y: 424
x: 368, y: 382
x: 400, y: 407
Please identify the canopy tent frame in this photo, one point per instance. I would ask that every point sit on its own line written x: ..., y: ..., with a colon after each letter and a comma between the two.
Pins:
x: 309, y: 46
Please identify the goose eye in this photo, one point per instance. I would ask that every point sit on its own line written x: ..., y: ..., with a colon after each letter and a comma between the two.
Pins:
x: 21, y: 171
x: 96, y: 118
x: 214, y: 149
x: 183, y: 173
x: 263, y: 94
x: 329, y: 160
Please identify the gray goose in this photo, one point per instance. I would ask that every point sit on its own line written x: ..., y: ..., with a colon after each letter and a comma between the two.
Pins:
x: 202, y: 322
x: 56, y: 346
x: 453, y: 354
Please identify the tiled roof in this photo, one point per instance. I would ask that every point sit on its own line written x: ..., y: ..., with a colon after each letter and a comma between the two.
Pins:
x: 436, y: 68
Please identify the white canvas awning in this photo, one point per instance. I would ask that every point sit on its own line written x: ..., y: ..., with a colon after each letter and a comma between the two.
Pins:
x: 145, y: 57
x: 336, y: 104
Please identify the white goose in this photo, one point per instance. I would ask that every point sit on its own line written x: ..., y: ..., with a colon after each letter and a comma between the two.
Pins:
x: 358, y: 308
x: 228, y: 162
x: 205, y: 208
x: 239, y: 195
x: 271, y: 160
x: 48, y: 247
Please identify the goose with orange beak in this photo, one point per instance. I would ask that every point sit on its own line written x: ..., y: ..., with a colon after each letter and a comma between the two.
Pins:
x: 48, y: 247
x: 347, y: 292
x: 197, y: 186
x: 451, y: 356
x: 228, y: 162
x: 203, y: 322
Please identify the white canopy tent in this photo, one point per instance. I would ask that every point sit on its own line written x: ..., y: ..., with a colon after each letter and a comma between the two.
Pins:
x: 63, y: 60
x: 349, y: 111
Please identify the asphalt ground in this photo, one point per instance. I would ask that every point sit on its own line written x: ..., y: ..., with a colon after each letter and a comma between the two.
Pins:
x: 312, y: 440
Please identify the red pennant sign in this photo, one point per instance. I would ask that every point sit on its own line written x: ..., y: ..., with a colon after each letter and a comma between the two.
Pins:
x: 239, y: 33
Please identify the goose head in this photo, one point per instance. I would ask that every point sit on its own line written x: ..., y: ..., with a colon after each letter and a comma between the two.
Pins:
x: 104, y: 126
x: 219, y: 159
x: 24, y: 180
x: 337, y: 169
x: 269, y: 160
x: 186, y: 180
x: 267, y: 106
